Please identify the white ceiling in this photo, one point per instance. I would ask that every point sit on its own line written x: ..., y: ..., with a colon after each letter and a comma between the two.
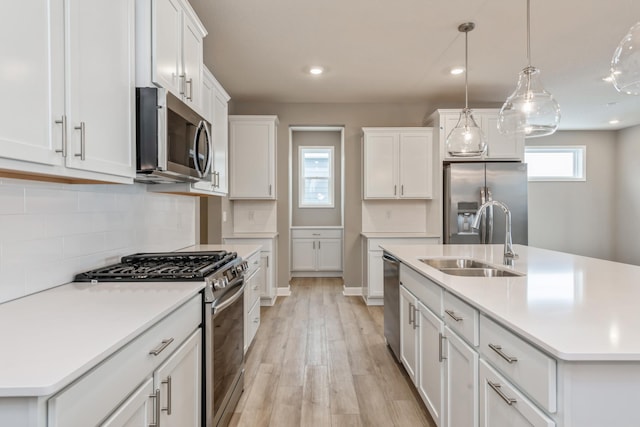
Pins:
x: 395, y: 51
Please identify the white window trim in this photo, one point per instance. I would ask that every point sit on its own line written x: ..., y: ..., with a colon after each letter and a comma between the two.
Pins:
x: 301, y: 177
x: 579, y: 166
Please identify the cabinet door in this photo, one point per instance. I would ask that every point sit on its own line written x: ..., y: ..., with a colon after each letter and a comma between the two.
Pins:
x: 408, y: 333
x: 100, y: 86
x: 220, y: 142
x: 501, y: 146
x: 192, y: 63
x: 376, y: 275
x: 32, y: 84
x: 329, y: 254
x: 266, y: 273
x: 303, y: 254
x: 208, y: 96
x: 179, y: 381
x: 167, y: 45
x: 380, y: 165
x: 430, y: 363
x: 448, y: 121
x: 461, y: 372
x: 416, y: 165
x: 136, y: 411
x: 502, y: 405
x: 252, y: 146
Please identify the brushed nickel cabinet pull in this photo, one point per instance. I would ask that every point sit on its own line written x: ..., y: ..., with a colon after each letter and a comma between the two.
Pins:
x: 164, y: 344
x: 82, y: 153
x: 168, y: 383
x: 498, y: 349
x: 416, y: 311
x: 411, y: 314
x: 63, y: 122
x: 182, y: 83
x: 156, y: 408
x: 452, y: 314
x: 496, y: 387
x: 190, y: 83
x: 440, y: 356
x: 395, y: 190
x: 402, y: 190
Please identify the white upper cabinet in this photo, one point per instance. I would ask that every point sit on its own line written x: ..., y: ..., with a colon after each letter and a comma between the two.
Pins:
x: 499, y: 146
x: 169, y: 39
x: 398, y: 163
x: 252, y: 147
x: 68, y: 87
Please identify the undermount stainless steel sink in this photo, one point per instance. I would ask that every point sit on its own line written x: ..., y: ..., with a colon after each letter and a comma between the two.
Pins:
x: 468, y: 267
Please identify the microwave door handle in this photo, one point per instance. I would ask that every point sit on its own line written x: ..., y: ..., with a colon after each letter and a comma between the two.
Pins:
x: 207, y: 135
x: 196, y: 152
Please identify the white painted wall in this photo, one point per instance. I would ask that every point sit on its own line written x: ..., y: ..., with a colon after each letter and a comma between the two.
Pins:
x: 628, y: 196
x: 50, y: 232
x: 577, y: 217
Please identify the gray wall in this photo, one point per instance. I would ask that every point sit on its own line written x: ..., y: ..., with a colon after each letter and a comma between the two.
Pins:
x: 353, y: 117
x: 628, y: 196
x: 316, y: 216
x: 577, y: 217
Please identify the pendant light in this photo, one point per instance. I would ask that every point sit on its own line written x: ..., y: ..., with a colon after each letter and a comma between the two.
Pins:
x: 625, y: 65
x: 466, y: 139
x: 530, y: 110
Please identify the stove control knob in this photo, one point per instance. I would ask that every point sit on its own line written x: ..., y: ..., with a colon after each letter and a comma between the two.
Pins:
x: 220, y: 283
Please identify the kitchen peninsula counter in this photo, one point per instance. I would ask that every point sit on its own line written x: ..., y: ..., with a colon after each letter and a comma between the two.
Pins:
x: 573, y: 307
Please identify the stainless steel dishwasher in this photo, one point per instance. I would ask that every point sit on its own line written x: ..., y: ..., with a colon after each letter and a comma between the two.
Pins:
x: 392, y: 303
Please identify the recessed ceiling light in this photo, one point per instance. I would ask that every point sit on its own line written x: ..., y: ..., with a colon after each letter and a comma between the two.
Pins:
x: 614, y: 122
x: 316, y: 71
x: 457, y: 71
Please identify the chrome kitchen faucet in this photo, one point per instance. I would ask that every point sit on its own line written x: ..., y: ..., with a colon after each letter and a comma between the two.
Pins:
x: 509, y: 254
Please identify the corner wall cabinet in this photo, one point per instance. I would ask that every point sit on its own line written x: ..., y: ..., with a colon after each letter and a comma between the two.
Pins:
x: 170, y: 48
x: 372, y: 265
x: 398, y: 163
x: 252, y: 152
x: 69, y: 111
x: 499, y: 147
x: 268, y: 264
x: 254, y: 285
x: 316, y: 252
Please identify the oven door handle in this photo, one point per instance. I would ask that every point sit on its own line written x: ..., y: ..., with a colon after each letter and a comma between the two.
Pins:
x: 228, y: 302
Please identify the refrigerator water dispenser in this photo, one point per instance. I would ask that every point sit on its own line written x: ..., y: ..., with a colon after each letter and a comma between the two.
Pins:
x: 466, y: 216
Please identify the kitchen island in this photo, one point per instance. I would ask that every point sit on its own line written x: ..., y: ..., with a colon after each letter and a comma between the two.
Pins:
x: 556, y: 345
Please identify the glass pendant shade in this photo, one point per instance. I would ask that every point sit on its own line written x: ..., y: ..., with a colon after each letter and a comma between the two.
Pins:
x: 530, y: 110
x: 625, y: 64
x: 466, y: 139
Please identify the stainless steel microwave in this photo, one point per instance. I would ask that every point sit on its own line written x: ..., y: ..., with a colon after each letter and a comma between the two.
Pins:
x: 173, y: 142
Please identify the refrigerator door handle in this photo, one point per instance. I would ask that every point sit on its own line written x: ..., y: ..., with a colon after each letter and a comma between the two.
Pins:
x: 483, y: 223
x: 489, y: 234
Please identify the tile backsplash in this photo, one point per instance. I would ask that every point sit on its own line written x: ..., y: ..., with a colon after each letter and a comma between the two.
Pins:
x: 49, y: 232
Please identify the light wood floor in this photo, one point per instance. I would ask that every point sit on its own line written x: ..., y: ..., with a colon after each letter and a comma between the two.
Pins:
x: 319, y: 359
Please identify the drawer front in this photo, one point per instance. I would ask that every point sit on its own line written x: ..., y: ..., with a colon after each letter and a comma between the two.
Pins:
x: 527, y: 367
x: 501, y: 404
x: 253, y: 322
x: 252, y: 289
x: 374, y: 243
x: 427, y: 292
x: 267, y: 244
x: 462, y: 318
x: 103, y: 388
x: 253, y: 262
x: 319, y: 233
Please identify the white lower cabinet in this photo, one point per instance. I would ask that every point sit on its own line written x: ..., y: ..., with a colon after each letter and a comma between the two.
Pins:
x: 315, y: 252
x: 268, y: 263
x: 431, y: 379
x: 408, y: 335
x: 501, y: 404
x: 461, y: 381
x: 137, y: 411
x: 254, y: 283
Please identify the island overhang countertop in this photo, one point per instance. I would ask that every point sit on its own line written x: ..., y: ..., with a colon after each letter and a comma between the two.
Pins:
x: 573, y: 307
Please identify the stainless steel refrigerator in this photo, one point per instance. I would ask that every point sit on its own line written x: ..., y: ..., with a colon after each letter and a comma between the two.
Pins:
x: 468, y: 185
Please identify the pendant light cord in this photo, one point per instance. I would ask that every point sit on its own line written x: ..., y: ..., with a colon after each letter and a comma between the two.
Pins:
x: 529, y: 33
x: 466, y: 69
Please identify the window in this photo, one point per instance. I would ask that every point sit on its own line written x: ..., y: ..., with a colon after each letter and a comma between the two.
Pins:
x: 556, y: 163
x: 316, y: 177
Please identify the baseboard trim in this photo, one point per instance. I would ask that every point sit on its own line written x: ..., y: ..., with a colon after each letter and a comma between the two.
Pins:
x: 316, y: 274
x: 284, y: 291
x: 351, y: 292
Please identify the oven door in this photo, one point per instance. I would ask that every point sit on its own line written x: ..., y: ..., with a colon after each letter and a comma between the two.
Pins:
x: 225, y: 358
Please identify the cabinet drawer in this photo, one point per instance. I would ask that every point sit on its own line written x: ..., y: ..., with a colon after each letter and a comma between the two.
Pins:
x: 462, y: 318
x: 501, y: 404
x: 427, y: 291
x: 530, y: 369
x: 316, y: 233
x: 253, y: 262
x: 252, y: 289
x: 253, y: 321
x: 103, y: 388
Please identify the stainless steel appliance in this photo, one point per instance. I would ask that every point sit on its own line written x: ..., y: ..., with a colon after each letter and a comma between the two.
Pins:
x: 223, y: 315
x: 468, y: 185
x: 173, y: 143
x: 392, y: 303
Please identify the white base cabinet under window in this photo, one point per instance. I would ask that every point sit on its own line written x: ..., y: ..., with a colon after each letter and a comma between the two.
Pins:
x: 316, y: 252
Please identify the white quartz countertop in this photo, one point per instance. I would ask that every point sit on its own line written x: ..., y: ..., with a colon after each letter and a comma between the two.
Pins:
x: 387, y: 235
x: 243, y: 251
x: 573, y: 307
x: 51, y: 338
x: 263, y: 235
